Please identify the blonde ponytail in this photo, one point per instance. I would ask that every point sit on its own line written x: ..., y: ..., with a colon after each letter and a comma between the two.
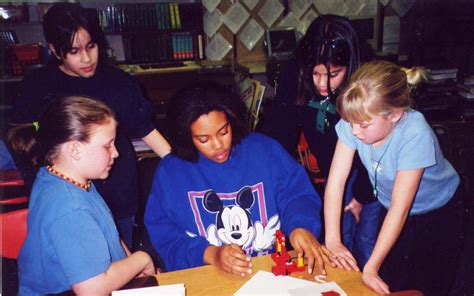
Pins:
x: 415, y: 75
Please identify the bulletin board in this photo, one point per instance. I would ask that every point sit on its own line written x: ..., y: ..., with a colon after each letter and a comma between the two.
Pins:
x: 234, y: 29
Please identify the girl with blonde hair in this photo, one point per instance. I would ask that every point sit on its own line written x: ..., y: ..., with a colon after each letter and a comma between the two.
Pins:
x: 417, y: 186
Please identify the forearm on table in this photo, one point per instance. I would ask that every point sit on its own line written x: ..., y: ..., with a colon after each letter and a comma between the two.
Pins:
x: 118, y: 274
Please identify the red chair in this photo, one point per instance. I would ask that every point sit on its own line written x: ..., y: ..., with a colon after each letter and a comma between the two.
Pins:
x: 14, y: 200
x: 13, y: 230
x: 12, y: 190
x: 11, y: 178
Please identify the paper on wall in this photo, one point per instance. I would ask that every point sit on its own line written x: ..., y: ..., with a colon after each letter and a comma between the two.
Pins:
x: 210, y: 4
x: 212, y: 22
x: 235, y: 17
x: 217, y: 48
x: 307, y: 20
x: 391, y: 29
x: 250, y: 3
x: 266, y: 283
x: 355, y: 6
x: 251, y: 34
x: 402, y: 6
x: 289, y: 21
x: 370, y: 8
x: 321, y: 5
x: 270, y: 12
x: 337, y: 7
x: 299, y: 7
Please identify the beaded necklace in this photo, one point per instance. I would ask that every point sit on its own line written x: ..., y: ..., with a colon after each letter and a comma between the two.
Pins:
x: 60, y: 175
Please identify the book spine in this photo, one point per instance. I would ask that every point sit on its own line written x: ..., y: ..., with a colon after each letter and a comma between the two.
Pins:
x: 157, y: 16
x: 166, y: 15
x: 190, y: 51
x: 171, y: 13
x: 195, y: 47
x: 177, y: 16
x: 174, y: 46
x: 200, y: 47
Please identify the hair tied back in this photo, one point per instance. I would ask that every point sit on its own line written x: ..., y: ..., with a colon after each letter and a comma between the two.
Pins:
x: 415, y: 75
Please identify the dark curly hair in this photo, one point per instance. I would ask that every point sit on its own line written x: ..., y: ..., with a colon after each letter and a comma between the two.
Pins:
x: 330, y: 39
x: 192, y: 102
x: 61, y: 23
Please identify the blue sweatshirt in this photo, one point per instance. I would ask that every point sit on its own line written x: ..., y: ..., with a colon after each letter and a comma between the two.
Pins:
x: 259, y: 189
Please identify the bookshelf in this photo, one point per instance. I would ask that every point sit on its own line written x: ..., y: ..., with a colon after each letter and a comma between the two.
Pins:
x: 155, y: 32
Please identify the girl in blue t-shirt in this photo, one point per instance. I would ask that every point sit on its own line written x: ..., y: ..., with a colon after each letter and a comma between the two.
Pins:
x: 72, y: 241
x: 416, y: 185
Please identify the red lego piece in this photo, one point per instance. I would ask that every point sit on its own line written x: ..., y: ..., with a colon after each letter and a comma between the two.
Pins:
x: 284, y: 265
x: 330, y: 293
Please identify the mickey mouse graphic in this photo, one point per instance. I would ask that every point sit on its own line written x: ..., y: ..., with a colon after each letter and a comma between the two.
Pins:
x: 234, y: 224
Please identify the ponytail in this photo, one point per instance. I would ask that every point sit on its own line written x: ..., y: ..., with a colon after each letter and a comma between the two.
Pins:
x: 22, y: 141
x: 415, y: 76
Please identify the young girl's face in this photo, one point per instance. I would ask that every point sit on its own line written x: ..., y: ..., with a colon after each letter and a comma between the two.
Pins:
x: 375, y: 131
x: 82, y: 59
x: 212, y: 136
x: 97, y: 155
x: 320, y: 77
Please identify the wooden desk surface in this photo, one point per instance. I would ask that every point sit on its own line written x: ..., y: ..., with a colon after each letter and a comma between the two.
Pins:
x: 208, y: 280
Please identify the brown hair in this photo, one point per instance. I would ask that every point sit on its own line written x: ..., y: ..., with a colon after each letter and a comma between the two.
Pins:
x: 378, y: 88
x: 66, y: 119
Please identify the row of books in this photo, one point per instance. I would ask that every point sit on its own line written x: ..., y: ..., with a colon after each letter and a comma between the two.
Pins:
x: 466, y: 88
x: 163, y: 47
x: 440, y: 75
x: 125, y: 17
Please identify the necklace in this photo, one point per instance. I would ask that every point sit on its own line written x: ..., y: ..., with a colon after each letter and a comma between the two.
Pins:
x: 70, y: 180
x: 376, y: 193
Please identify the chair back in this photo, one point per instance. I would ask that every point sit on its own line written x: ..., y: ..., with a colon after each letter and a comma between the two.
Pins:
x: 13, y: 231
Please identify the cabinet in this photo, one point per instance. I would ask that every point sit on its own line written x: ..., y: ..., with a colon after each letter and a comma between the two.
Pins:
x: 155, y: 32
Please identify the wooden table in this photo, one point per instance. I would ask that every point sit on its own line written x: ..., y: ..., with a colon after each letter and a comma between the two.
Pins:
x: 208, y: 280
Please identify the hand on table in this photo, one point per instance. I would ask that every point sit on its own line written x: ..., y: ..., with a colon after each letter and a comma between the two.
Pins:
x: 342, y: 257
x: 372, y: 279
x: 305, y: 244
x: 230, y: 258
x: 355, y: 208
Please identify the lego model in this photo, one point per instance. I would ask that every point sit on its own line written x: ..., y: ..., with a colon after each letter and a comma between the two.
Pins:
x: 284, y: 264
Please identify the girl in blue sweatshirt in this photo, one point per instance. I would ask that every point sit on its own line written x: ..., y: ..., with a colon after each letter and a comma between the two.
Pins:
x: 221, y: 194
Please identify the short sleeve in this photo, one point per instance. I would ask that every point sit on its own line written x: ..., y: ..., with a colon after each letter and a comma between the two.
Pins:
x: 79, y: 246
x: 418, y: 151
x: 344, y: 133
